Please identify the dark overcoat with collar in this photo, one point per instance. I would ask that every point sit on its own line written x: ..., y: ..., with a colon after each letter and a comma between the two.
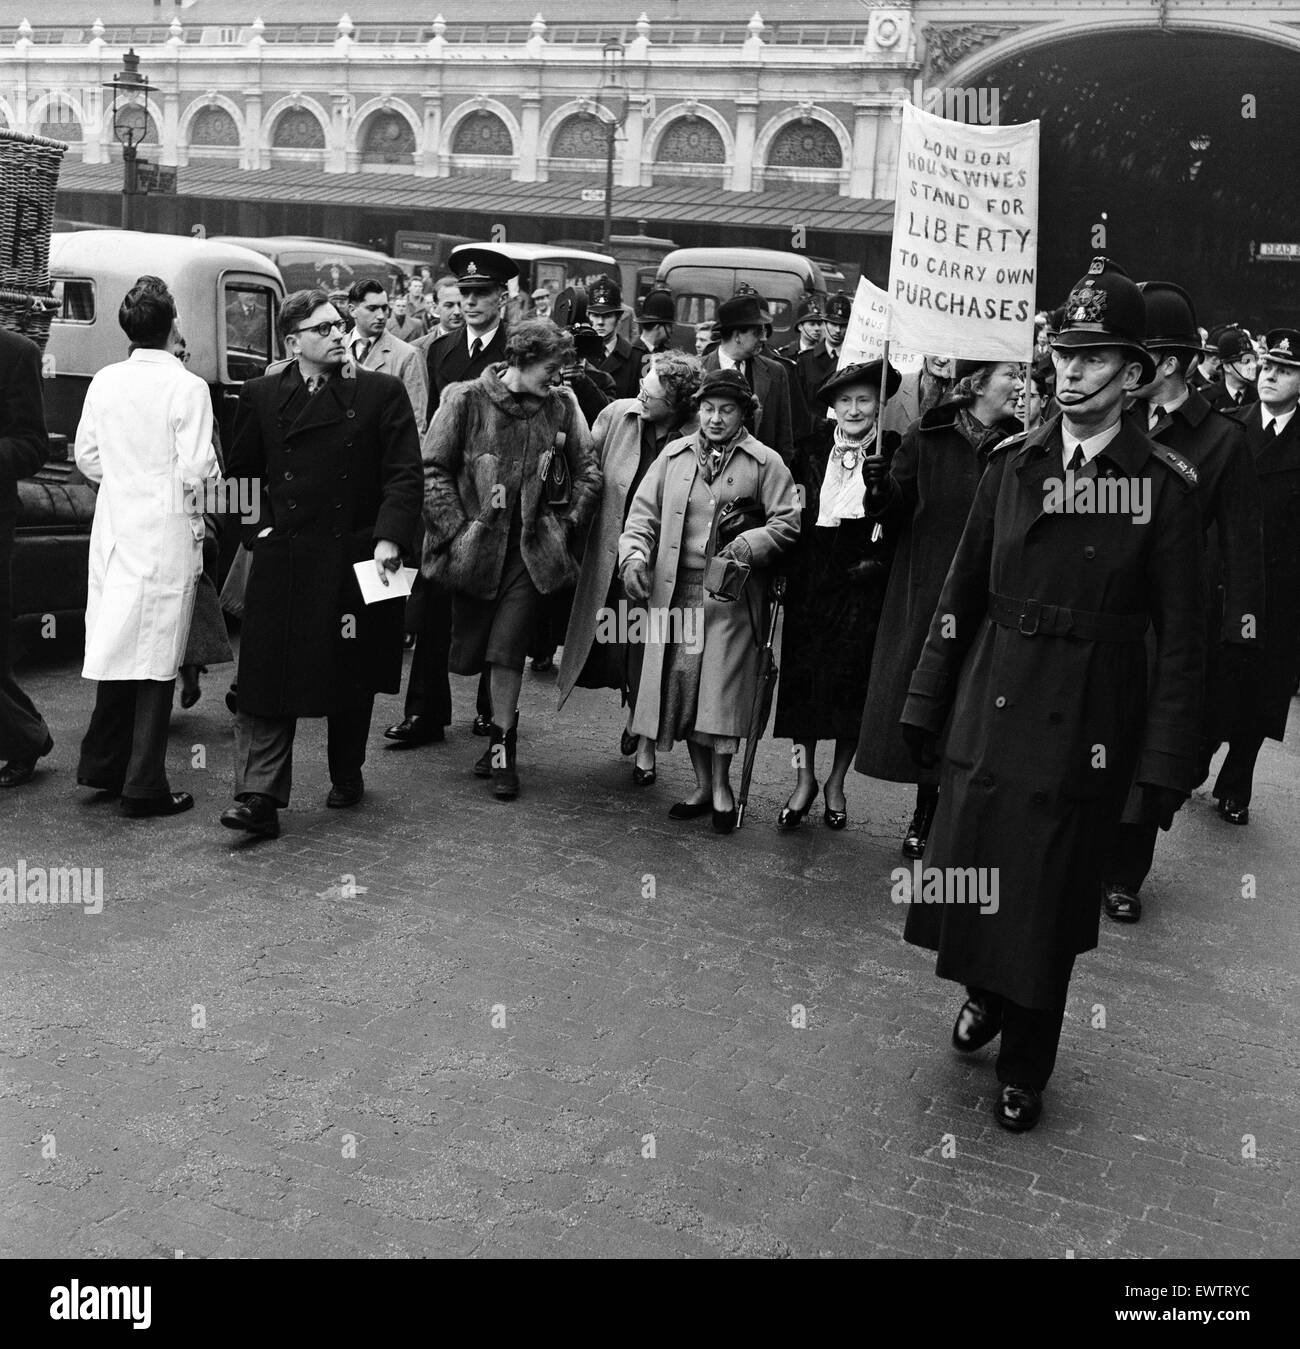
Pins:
x: 773, y: 423
x: 1044, y: 733
x: 932, y: 480
x: 620, y: 366
x: 450, y: 362
x: 1277, y: 465
x: 1227, y: 491
x: 334, y: 473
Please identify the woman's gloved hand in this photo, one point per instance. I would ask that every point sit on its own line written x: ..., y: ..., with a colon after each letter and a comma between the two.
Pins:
x: 636, y: 579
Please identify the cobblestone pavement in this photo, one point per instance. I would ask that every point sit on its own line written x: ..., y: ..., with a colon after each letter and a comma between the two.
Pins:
x: 443, y: 1025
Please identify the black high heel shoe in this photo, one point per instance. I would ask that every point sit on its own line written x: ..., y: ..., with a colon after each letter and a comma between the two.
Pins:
x: 724, y: 821
x: 627, y: 743
x: 835, y: 819
x: 643, y: 777
x: 792, y: 818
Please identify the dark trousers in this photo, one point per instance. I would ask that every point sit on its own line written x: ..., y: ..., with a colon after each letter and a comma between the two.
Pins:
x: 264, y: 750
x: 125, y: 746
x: 1030, y: 1036
x: 1133, y: 848
x: 23, y: 732
x: 428, y: 687
x: 1236, y: 778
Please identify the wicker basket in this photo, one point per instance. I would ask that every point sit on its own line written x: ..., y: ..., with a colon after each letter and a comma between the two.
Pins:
x: 29, y: 183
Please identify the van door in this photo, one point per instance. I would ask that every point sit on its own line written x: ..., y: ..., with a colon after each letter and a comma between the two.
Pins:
x: 247, y: 307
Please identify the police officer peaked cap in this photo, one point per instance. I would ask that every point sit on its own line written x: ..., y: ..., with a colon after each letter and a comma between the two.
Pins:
x: 604, y: 297
x: 1106, y: 309
x: 1171, y: 320
x: 809, y: 311
x: 657, y: 307
x: 839, y: 307
x: 1283, y: 346
x: 865, y: 374
x: 481, y: 268
x: 746, y: 310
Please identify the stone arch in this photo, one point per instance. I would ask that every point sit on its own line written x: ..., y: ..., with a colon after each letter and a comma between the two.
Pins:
x: 184, y: 129
x: 40, y: 123
x: 663, y: 126
x: 365, y: 114
x: 561, y: 115
x: 769, y: 137
x: 295, y: 103
x: 472, y: 116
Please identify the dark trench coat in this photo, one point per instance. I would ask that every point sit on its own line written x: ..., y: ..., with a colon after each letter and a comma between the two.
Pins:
x: 336, y: 472
x: 932, y: 480
x: 1047, y: 731
x: 1277, y: 464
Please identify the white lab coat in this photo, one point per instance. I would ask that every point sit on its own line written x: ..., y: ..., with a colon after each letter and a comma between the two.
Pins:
x: 146, y: 437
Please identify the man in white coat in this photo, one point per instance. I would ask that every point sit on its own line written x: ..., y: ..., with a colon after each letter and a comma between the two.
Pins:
x: 146, y: 438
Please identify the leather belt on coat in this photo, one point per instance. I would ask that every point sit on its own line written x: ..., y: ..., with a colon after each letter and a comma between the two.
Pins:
x: 1034, y: 618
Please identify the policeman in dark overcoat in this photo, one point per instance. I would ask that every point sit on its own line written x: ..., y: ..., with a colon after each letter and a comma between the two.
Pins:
x: 1034, y: 672
x: 604, y: 310
x: 334, y: 456
x: 1273, y: 431
x: 1227, y: 489
x: 654, y: 320
x: 817, y: 364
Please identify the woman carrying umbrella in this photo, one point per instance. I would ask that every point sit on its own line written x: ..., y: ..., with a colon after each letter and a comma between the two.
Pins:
x: 698, y: 679
x: 836, y: 591
x: 925, y: 498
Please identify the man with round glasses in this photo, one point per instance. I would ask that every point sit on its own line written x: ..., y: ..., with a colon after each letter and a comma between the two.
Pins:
x: 334, y: 458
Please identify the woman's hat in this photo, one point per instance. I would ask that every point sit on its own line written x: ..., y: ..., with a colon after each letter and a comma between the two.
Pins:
x: 865, y: 373
x: 729, y: 382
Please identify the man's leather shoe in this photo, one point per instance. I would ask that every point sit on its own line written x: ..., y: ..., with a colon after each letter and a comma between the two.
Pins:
x: 18, y: 771
x: 415, y: 730
x: 345, y: 794
x: 977, y: 1023
x: 482, y: 725
x: 1235, y: 812
x: 139, y: 807
x: 1122, y: 904
x: 256, y: 815
x: 1018, y: 1108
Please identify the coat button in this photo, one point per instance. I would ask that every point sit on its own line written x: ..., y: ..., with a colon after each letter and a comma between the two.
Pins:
x: 292, y: 505
x: 352, y: 412
x: 338, y: 505
x: 999, y: 702
x: 1039, y: 798
x: 1090, y: 552
x: 344, y: 476
x: 338, y: 533
x: 288, y: 477
x: 987, y: 780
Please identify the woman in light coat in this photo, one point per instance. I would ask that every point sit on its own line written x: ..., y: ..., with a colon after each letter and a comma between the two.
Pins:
x: 629, y: 436
x: 146, y: 438
x: 700, y: 670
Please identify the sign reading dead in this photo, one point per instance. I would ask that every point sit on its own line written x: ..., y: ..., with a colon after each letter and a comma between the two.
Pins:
x: 964, y: 263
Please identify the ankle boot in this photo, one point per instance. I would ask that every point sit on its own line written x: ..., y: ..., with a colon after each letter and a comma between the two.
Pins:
x: 919, y: 829
x: 483, y: 765
x: 505, y: 780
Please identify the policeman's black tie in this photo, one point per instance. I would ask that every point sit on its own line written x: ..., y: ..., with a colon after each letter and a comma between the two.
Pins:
x: 475, y: 347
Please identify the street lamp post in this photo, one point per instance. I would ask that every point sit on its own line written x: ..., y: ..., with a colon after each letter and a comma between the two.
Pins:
x: 130, y: 123
x: 613, y: 90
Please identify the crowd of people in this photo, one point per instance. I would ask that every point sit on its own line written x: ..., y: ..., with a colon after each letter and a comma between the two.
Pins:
x: 1053, y: 680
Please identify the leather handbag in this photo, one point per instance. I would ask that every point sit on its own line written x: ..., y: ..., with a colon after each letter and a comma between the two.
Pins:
x: 553, y: 468
x: 731, y: 520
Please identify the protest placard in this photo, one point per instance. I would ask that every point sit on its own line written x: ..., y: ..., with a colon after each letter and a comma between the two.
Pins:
x: 864, y: 339
x: 964, y: 261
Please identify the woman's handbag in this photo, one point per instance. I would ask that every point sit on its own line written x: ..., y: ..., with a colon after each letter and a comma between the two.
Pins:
x: 731, y: 520
x: 553, y: 469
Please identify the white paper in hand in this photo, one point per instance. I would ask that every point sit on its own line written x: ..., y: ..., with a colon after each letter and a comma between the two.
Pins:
x: 373, y: 589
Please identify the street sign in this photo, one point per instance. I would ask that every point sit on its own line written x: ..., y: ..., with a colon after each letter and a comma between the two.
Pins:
x: 1279, y: 252
x: 593, y: 194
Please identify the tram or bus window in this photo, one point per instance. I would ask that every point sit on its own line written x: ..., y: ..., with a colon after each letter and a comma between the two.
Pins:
x: 695, y: 309
x: 249, y: 314
x: 76, y: 299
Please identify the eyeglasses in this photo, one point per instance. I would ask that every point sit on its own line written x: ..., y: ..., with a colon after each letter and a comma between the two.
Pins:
x: 324, y: 329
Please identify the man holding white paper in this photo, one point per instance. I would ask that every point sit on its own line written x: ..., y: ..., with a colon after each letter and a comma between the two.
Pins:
x: 335, y: 457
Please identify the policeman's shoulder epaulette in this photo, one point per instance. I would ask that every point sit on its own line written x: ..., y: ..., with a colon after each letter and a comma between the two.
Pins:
x: 1009, y: 444
x: 1182, y: 468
